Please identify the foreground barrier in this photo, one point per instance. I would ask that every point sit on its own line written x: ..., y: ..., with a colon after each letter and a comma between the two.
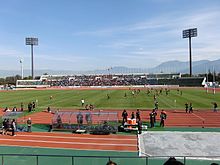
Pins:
x: 31, y: 159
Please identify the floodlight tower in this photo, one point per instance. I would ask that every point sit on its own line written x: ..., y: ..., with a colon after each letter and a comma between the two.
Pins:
x: 189, y: 33
x: 32, y: 42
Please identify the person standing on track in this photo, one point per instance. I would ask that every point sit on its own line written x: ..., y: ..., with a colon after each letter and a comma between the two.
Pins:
x: 59, y: 122
x: 124, y: 116
x: 163, y: 117
x: 132, y: 115
x: 4, y: 126
x: 215, y: 106
x: 190, y: 108
x: 151, y: 119
x: 7, y: 126
x: 139, y: 122
x: 88, y: 117
x: 186, y: 107
x: 138, y: 115
x: 13, y: 127
x: 155, y: 115
x: 79, y: 118
x: 29, y: 125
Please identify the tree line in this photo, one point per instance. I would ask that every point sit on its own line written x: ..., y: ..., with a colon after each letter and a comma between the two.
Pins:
x: 12, y: 79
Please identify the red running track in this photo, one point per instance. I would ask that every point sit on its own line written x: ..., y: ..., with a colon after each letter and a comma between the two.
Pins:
x: 72, y: 141
x: 200, y: 118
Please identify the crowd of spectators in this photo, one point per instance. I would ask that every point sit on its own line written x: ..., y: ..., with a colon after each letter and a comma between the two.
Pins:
x: 100, y: 80
x: 111, y: 80
x: 104, y: 80
x: 123, y: 80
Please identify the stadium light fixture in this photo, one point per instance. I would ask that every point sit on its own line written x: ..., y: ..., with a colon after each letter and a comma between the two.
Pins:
x: 32, y: 41
x: 189, y: 33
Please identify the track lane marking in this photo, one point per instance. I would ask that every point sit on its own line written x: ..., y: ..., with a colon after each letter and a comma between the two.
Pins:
x: 61, y: 137
x: 198, y: 117
x: 77, y: 143
x: 88, y: 149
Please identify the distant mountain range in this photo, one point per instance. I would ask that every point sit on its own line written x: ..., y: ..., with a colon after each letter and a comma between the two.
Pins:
x: 167, y: 67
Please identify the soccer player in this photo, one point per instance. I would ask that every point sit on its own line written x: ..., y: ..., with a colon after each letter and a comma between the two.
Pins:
x: 82, y: 102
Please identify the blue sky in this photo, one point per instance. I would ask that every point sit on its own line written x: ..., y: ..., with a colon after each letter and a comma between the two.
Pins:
x: 98, y: 34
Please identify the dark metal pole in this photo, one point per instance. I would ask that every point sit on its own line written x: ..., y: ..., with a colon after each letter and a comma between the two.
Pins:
x: 190, y: 57
x: 37, y: 159
x: 146, y: 162
x: 2, y: 160
x: 72, y: 160
x: 32, y: 61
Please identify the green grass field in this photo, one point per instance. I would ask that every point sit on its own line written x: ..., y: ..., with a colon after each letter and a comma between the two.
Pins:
x: 71, y: 99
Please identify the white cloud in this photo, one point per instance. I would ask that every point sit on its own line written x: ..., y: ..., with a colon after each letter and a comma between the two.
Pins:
x: 149, y: 42
x: 162, y: 38
x: 62, y: 57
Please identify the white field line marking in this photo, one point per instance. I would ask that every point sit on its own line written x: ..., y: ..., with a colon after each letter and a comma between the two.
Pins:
x: 145, y: 154
x: 61, y: 137
x: 42, y: 141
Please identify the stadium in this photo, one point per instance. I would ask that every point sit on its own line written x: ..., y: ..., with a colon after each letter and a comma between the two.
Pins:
x: 73, y: 142
x: 156, y: 105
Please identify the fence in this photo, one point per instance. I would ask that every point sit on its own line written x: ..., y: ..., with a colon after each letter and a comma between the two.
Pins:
x: 86, y: 120
x: 11, y: 115
x: 69, y: 117
x: 31, y: 159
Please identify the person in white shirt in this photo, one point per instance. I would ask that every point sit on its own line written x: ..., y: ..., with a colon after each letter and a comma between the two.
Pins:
x: 82, y: 102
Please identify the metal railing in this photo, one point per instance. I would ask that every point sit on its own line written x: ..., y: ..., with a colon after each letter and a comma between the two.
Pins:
x: 38, y: 159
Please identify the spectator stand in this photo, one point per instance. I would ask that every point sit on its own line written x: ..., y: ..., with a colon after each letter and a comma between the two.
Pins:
x: 86, y: 121
x: 105, y: 80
